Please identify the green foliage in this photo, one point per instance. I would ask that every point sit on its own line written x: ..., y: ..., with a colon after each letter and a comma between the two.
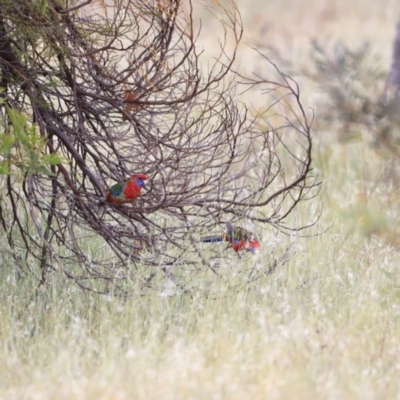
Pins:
x: 22, y: 149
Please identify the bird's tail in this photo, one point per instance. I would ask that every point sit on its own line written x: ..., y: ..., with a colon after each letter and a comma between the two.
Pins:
x: 100, y: 203
x: 212, y: 239
x: 229, y: 227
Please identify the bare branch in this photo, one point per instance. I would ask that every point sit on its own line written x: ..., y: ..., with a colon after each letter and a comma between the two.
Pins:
x: 121, y: 89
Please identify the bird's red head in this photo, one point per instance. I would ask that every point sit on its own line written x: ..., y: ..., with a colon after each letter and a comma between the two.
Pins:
x: 254, y: 246
x: 139, y: 179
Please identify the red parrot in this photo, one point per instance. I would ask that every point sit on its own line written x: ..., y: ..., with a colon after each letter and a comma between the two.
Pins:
x: 240, y: 239
x: 125, y: 192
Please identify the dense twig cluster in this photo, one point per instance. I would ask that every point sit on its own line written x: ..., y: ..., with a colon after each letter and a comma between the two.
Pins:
x: 356, y: 93
x: 117, y: 89
x: 359, y: 99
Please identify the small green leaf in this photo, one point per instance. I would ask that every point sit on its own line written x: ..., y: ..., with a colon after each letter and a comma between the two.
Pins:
x: 43, y: 7
x: 18, y: 120
x: 45, y: 171
x: 6, y: 143
x: 51, y: 159
x: 4, y: 169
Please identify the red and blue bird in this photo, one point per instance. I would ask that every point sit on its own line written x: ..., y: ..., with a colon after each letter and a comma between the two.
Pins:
x: 125, y: 192
x: 239, y: 238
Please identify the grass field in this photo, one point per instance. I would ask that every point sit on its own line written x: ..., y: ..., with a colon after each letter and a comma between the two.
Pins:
x: 324, y: 326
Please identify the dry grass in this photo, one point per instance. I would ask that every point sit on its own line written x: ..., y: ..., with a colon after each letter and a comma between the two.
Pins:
x: 323, y: 327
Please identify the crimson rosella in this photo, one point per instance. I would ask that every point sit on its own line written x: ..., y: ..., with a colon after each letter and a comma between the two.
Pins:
x: 240, y: 239
x: 125, y: 192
